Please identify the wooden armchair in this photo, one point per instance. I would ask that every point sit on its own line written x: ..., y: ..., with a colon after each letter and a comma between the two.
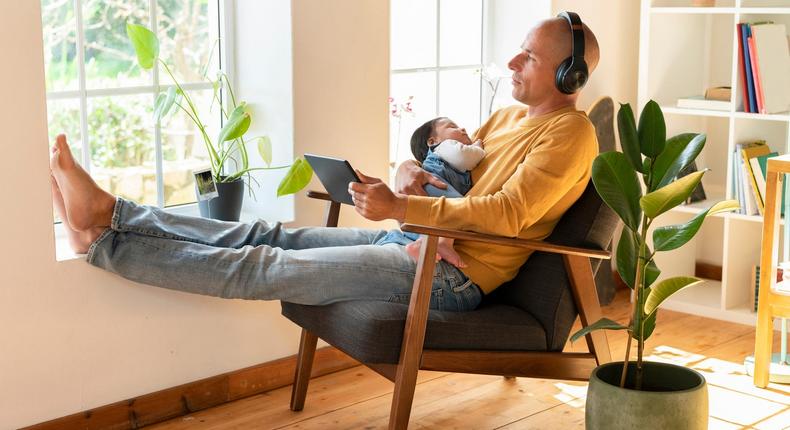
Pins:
x: 519, y: 330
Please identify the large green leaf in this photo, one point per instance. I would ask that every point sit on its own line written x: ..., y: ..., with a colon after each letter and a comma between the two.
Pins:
x: 651, y: 273
x: 145, y: 43
x: 629, y: 139
x: 652, y: 130
x: 265, y: 149
x: 627, y: 250
x: 649, y: 325
x: 666, y: 288
x: 164, y: 102
x: 674, y: 236
x: 601, y: 324
x: 298, y: 177
x: 238, y: 123
x: 617, y: 184
x: 679, y: 152
x: 666, y: 198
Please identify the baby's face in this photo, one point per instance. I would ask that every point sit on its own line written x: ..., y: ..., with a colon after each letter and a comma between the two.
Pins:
x: 447, y: 129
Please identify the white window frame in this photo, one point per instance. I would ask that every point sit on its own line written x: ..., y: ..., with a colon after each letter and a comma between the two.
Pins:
x: 439, y: 68
x: 82, y: 93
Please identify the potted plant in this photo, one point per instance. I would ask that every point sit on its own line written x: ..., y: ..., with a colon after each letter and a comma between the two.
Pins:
x: 229, y: 145
x: 628, y: 394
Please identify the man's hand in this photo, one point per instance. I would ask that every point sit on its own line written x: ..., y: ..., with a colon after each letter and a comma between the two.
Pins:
x: 410, y: 179
x: 375, y: 201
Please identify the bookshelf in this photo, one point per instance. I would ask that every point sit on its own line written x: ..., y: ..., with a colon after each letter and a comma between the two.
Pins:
x: 684, y: 50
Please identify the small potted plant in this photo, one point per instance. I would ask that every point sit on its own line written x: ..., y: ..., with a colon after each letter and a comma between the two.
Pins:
x: 230, y: 145
x: 631, y: 394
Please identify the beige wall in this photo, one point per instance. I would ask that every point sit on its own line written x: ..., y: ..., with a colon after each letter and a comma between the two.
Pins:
x: 616, y: 25
x: 73, y: 337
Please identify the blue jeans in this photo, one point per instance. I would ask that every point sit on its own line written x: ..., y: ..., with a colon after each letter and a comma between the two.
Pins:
x: 262, y: 261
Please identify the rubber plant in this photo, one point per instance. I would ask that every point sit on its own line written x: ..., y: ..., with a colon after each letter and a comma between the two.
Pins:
x: 647, y: 153
x: 230, y: 143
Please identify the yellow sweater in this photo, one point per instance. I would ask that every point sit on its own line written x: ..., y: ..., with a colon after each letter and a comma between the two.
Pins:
x: 533, y: 171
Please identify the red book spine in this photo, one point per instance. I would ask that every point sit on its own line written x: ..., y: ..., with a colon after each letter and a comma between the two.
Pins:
x: 758, y: 87
x: 742, y: 70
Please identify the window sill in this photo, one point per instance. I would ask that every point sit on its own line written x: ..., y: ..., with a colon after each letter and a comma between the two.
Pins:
x: 63, y: 251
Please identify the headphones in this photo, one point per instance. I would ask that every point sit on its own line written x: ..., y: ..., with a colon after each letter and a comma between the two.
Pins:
x: 572, y: 73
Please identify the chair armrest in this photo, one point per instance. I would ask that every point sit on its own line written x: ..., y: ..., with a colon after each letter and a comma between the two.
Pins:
x: 319, y: 195
x: 537, y: 245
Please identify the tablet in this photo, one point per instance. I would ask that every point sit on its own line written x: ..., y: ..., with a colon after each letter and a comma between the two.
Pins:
x: 335, y: 174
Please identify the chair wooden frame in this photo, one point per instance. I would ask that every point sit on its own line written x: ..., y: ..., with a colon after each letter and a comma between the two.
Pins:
x: 413, y: 357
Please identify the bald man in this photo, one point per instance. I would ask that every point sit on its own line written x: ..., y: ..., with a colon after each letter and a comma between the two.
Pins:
x: 538, y: 162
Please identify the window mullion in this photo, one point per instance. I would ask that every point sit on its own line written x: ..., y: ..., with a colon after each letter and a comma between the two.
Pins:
x: 160, y: 177
x: 86, y: 145
x: 438, y: 48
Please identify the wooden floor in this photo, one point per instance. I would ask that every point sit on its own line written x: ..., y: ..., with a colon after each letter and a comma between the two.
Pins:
x: 359, y: 398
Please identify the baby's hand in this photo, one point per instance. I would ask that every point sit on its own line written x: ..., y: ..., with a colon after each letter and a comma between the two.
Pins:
x: 478, y: 143
x: 445, y: 251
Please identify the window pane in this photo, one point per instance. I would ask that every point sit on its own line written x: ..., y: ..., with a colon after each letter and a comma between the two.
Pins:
x: 110, y: 60
x: 422, y: 88
x: 60, y: 44
x: 184, y: 150
x: 460, y: 24
x: 63, y: 116
x: 122, y: 146
x: 459, y: 97
x: 413, y: 32
x: 188, y: 39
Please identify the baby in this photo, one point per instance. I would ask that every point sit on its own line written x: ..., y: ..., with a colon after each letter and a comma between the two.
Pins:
x: 447, y: 152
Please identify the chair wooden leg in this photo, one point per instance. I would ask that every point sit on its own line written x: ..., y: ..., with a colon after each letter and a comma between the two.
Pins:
x: 586, y: 296
x: 304, y: 364
x: 413, y: 337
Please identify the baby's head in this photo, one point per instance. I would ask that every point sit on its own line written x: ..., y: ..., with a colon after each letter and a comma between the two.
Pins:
x: 434, y: 132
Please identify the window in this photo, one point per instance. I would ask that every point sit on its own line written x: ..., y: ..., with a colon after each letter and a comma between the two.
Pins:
x: 103, y: 101
x: 436, y: 52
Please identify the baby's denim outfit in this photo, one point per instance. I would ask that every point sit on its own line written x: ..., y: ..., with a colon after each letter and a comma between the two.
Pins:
x: 458, y: 184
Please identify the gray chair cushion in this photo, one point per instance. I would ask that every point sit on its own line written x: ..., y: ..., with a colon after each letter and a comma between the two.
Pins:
x: 372, y: 331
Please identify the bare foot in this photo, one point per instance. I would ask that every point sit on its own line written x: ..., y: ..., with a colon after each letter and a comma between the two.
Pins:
x: 80, y: 241
x: 445, y: 251
x: 86, y: 205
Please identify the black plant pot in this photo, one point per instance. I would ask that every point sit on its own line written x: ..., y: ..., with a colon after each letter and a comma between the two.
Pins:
x: 226, y: 207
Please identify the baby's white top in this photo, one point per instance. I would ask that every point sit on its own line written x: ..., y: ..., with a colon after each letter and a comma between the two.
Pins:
x: 461, y: 157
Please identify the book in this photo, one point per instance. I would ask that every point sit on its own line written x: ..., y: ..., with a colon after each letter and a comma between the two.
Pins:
x: 758, y: 86
x: 773, y: 64
x: 700, y: 102
x: 756, y: 149
x: 762, y: 161
x: 752, y: 99
x: 742, y: 70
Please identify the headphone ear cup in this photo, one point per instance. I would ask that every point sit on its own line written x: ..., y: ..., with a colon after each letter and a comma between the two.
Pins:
x: 560, y: 80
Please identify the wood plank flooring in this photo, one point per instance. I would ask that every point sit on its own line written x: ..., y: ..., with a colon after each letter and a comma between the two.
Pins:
x: 359, y: 398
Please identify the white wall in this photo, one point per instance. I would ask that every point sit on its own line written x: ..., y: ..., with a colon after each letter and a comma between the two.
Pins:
x: 73, y: 337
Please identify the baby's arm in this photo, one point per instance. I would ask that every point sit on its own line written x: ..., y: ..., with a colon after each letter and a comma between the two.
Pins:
x: 461, y: 157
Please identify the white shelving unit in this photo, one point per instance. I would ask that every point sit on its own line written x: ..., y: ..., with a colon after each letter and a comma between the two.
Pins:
x: 683, y: 51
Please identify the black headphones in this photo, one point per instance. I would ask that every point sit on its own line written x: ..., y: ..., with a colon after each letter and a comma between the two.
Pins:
x: 572, y: 73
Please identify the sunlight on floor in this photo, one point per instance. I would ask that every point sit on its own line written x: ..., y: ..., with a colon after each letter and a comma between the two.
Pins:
x: 734, y: 401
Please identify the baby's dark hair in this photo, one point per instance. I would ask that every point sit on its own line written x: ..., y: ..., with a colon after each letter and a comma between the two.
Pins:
x: 419, y: 139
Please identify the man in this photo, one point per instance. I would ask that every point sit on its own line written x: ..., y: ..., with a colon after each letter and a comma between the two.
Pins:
x: 537, y: 164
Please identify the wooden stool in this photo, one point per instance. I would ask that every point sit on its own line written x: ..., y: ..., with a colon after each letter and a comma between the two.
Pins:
x: 770, y: 303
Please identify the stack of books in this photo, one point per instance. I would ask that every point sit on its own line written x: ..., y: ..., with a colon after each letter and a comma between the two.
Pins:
x: 754, y: 291
x: 750, y: 163
x: 763, y: 67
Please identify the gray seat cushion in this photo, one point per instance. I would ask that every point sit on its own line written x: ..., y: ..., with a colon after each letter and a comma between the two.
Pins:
x: 372, y: 331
